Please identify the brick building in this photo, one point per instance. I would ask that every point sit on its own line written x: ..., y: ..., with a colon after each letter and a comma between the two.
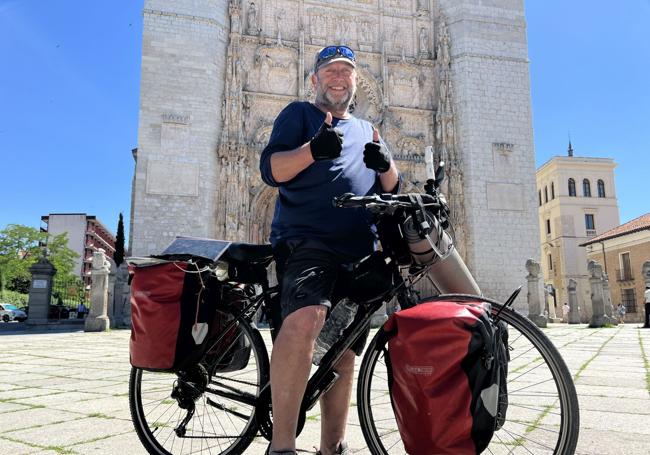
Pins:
x: 622, y: 251
x: 85, y: 235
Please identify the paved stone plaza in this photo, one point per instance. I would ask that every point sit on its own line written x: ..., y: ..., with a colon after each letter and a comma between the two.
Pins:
x: 67, y: 393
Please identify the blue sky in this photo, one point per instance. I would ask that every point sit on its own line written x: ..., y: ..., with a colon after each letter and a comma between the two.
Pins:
x: 69, y: 87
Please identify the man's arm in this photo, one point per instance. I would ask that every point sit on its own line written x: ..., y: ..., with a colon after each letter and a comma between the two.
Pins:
x: 390, y: 178
x: 286, y: 165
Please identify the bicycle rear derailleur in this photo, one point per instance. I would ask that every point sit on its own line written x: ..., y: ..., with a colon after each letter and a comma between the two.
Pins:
x: 189, y: 386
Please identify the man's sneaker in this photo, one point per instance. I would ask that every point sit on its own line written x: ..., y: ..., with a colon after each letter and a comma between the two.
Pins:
x: 342, y: 450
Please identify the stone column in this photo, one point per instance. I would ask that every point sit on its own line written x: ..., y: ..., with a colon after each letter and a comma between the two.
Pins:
x: 607, y: 296
x: 552, y: 315
x: 574, y: 313
x: 121, y: 296
x: 646, y: 277
x: 97, y: 320
x: 40, y: 291
x: 597, y: 301
x: 111, y: 294
x: 534, y: 294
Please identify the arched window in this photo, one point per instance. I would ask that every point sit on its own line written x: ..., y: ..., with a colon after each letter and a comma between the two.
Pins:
x: 586, y: 188
x: 545, y: 194
x: 540, y: 197
x: 572, y: 187
x: 552, y: 190
x: 601, y: 188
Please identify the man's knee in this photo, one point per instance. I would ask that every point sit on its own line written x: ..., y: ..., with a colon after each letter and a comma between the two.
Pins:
x: 304, y: 324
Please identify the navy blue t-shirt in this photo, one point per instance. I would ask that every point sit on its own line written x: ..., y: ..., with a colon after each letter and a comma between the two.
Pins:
x: 304, y: 208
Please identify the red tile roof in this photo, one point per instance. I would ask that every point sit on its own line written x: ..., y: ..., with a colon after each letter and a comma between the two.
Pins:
x: 637, y: 224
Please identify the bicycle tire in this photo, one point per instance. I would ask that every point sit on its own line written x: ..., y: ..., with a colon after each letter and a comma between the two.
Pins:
x: 538, y: 421
x: 155, y: 417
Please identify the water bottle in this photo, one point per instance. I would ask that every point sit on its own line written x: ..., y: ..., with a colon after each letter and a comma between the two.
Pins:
x: 340, y: 318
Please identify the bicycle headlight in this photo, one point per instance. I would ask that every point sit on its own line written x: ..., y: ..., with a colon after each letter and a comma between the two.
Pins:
x: 221, y: 271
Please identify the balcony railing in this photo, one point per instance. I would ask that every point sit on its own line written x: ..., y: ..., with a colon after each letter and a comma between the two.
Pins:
x: 591, y: 232
x: 624, y: 275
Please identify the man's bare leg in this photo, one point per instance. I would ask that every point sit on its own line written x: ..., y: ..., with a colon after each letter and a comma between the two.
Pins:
x: 335, y: 405
x: 290, y: 367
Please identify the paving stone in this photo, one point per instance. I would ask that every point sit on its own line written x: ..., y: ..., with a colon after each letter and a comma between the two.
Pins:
x: 127, y: 443
x: 614, y: 400
x: 10, y: 422
x: 75, y: 431
x: 15, y: 448
x: 8, y: 406
x: 56, y: 398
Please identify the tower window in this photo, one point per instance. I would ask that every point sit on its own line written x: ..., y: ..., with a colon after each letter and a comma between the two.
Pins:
x: 601, y: 188
x: 572, y: 187
x: 586, y: 188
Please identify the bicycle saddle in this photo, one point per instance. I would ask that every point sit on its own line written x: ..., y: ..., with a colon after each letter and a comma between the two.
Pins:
x: 250, y: 252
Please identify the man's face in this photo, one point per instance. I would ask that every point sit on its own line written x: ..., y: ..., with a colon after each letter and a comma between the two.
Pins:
x: 335, y: 85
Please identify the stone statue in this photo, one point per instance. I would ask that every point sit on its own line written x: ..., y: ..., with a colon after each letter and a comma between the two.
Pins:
x: 597, y: 299
x: 443, y: 45
x: 534, y: 295
x: 424, y: 47
x: 235, y: 20
x: 278, y: 17
x: 423, y: 5
x: 574, y: 311
x: 252, y: 19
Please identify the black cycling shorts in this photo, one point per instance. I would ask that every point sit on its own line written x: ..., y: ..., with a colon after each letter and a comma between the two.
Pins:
x: 308, y: 273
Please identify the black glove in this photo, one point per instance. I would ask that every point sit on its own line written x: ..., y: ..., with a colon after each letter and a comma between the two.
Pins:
x: 326, y: 143
x: 376, y: 156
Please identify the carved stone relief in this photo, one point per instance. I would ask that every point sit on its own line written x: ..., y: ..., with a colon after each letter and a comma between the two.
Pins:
x: 405, y: 82
x: 276, y: 71
x: 408, y: 96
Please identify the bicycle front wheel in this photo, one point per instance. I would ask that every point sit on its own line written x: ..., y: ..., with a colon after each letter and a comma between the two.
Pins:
x: 542, y: 416
x: 223, y: 421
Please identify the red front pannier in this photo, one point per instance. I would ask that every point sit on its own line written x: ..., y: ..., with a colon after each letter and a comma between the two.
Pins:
x: 164, y: 301
x: 447, y: 367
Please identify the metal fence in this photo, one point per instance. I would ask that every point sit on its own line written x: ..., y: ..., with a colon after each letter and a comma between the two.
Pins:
x: 67, y: 296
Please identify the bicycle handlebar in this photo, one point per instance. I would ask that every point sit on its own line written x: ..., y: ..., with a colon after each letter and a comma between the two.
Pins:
x: 384, y: 201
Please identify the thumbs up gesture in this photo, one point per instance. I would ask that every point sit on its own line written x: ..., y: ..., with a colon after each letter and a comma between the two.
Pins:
x: 376, y: 155
x: 327, y: 143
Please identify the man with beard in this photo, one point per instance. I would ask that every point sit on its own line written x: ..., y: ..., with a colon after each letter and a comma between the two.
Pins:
x: 316, y: 152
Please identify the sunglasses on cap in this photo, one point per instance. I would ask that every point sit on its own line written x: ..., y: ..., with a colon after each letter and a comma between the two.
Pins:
x: 331, y: 52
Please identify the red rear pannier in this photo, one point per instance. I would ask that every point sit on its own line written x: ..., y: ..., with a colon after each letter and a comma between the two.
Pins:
x: 164, y: 300
x: 447, y: 365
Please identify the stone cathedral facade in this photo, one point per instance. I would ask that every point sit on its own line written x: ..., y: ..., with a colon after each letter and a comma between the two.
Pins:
x: 452, y: 74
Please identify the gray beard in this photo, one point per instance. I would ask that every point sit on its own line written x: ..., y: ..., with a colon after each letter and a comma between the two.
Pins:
x: 323, y: 100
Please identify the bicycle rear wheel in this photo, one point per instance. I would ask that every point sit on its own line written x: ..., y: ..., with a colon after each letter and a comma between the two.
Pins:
x: 224, y: 418
x: 542, y: 416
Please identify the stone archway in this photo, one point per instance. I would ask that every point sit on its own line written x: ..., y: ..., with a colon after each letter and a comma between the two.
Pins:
x: 261, y: 214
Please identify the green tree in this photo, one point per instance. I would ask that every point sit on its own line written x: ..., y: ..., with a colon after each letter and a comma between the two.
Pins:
x: 21, y: 246
x: 61, y: 257
x: 118, y: 256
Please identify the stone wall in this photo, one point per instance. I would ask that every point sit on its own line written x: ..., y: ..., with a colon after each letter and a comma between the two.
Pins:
x: 181, y: 89
x: 490, y: 72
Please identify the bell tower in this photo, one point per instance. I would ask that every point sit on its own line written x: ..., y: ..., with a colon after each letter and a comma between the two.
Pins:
x: 183, y: 75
